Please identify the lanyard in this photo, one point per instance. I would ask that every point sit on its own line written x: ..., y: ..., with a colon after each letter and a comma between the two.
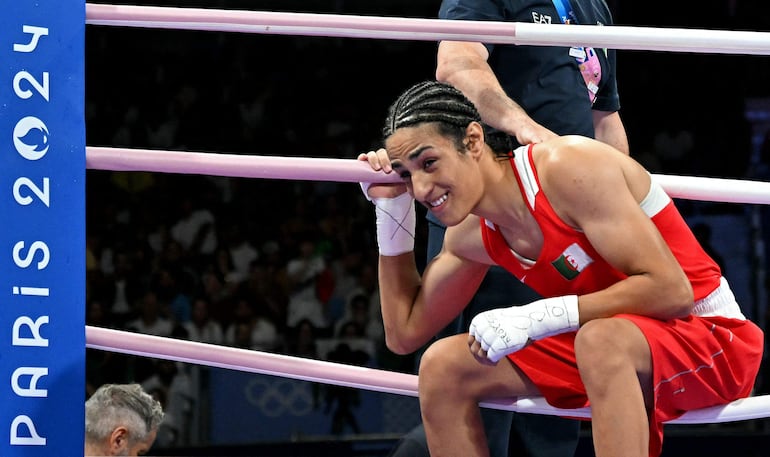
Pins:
x: 588, y: 63
x: 564, y: 8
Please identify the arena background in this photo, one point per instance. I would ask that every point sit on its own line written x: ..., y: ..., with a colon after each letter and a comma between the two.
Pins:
x: 689, y: 114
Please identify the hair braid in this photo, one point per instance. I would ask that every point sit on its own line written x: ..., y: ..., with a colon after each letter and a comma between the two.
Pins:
x: 436, y: 102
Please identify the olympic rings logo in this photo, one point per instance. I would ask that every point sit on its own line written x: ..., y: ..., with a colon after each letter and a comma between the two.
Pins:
x: 276, y: 397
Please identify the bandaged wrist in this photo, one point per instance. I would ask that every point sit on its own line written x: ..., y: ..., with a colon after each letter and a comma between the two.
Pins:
x: 395, y: 224
x: 551, y: 316
x: 506, y: 330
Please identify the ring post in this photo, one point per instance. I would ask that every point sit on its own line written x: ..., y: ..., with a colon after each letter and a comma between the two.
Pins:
x: 42, y: 231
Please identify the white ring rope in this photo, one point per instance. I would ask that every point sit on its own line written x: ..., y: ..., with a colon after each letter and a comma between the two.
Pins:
x: 352, y: 26
x: 360, y: 377
x: 351, y: 170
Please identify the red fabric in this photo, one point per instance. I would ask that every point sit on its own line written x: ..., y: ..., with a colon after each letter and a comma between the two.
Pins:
x: 561, y: 242
x: 324, y: 285
x: 697, y: 362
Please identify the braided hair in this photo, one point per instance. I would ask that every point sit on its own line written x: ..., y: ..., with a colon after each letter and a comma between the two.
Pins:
x: 446, y: 107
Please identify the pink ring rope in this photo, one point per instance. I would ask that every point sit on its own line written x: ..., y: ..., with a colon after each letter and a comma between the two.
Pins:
x: 520, y: 33
x: 350, y: 170
x: 359, y: 377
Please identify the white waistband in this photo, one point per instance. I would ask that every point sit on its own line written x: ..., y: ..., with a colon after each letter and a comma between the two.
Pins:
x: 720, y: 302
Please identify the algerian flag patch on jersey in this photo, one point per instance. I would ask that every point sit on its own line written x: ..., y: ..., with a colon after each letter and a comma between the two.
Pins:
x: 572, y: 261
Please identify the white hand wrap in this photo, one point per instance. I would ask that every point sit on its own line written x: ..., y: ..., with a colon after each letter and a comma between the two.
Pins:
x: 506, y: 330
x: 396, y: 221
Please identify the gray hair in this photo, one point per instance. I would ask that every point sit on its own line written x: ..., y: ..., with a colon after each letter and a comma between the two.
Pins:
x: 127, y: 405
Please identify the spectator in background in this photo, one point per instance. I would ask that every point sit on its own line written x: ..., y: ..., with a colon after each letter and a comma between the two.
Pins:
x: 122, y: 288
x: 303, y: 272
x: 368, y: 287
x: 121, y: 419
x: 172, y: 385
x: 301, y: 340
x: 220, y: 281
x: 301, y: 223
x: 103, y: 367
x: 195, y: 229
x: 201, y: 327
x: 171, y: 289
x: 251, y: 328
x: 344, y: 269
x: 359, y: 316
x: 340, y: 401
x: 266, y: 289
x: 242, y: 253
x: 151, y: 320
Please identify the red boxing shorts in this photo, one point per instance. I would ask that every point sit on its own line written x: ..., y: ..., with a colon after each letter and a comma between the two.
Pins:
x: 697, y: 362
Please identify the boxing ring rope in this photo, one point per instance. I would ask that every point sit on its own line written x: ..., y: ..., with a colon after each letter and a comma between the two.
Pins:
x: 349, y: 170
x: 352, y: 26
x: 360, y: 377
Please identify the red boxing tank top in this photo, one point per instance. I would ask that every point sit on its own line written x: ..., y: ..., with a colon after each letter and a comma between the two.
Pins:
x: 568, y: 264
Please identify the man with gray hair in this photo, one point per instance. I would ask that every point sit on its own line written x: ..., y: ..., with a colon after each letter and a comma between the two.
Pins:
x: 121, y: 419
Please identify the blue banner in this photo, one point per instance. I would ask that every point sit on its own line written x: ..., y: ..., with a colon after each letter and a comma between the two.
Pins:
x: 251, y: 408
x: 42, y: 230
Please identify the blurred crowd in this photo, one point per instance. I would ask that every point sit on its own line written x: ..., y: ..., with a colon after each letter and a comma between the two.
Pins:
x: 270, y: 265
x: 171, y: 257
